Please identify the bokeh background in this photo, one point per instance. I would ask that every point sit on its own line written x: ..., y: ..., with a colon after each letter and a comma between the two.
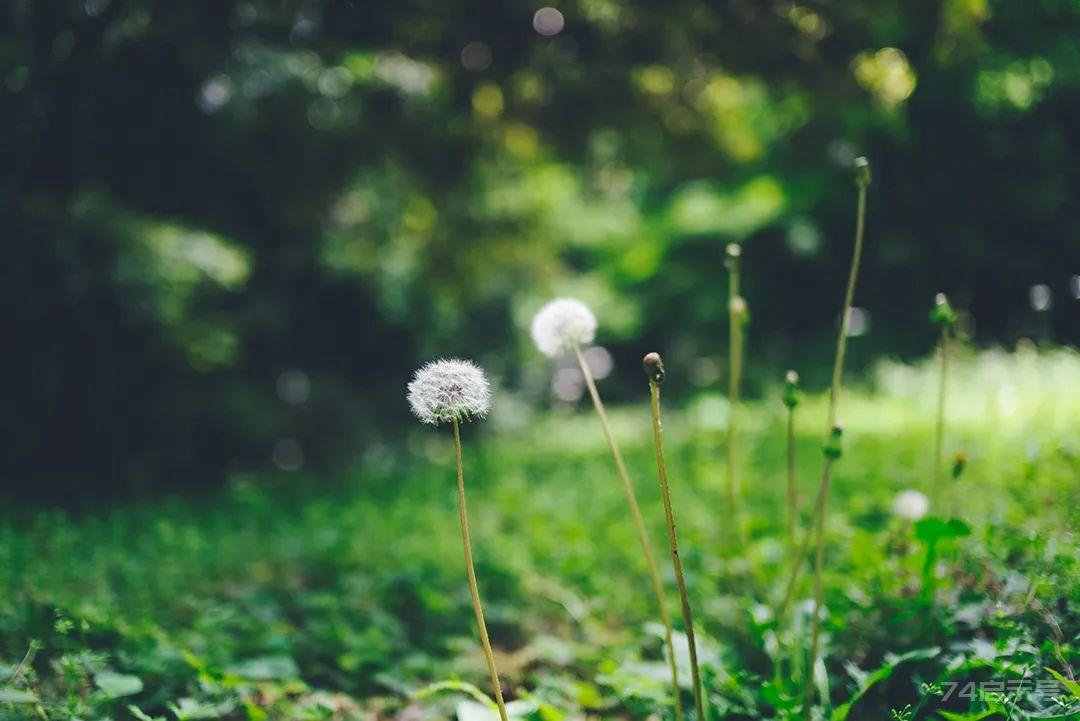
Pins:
x: 232, y: 229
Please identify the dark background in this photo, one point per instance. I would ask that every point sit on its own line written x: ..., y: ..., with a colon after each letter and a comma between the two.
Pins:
x: 231, y: 230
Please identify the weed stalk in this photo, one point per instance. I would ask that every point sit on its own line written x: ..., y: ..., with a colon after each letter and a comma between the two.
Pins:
x: 862, y: 181
x: 488, y: 655
x: 639, y: 523
x: 944, y: 317
x: 737, y: 316
x: 654, y: 369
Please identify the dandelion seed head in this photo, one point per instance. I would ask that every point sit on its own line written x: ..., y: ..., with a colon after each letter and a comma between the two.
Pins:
x: 449, y: 390
x: 561, y: 324
x: 911, y: 505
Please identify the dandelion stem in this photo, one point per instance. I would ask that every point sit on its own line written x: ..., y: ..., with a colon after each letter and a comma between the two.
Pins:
x: 676, y: 561
x: 639, y: 523
x: 792, y: 490
x: 849, y: 297
x: 472, y: 580
x: 800, y: 554
x: 819, y: 559
x: 862, y: 169
x: 939, y: 437
x: 736, y: 309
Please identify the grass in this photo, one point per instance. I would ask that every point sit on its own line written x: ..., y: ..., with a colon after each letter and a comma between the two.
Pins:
x: 293, y: 597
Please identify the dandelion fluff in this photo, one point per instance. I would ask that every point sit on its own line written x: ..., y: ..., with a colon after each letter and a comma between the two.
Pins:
x: 445, y: 391
x: 561, y: 324
x: 911, y: 505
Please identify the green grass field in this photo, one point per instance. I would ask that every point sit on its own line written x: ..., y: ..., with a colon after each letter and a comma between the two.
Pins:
x: 306, y: 598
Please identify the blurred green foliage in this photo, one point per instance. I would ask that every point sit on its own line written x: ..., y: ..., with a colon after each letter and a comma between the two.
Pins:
x: 201, y: 197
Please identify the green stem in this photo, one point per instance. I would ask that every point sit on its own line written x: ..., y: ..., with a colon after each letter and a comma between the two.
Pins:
x: 819, y: 561
x: 735, y: 361
x: 792, y: 511
x: 939, y: 437
x: 639, y: 524
x: 472, y: 580
x: 800, y: 554
x: 929, y: 578
x: 792, y: 490
x: 676, y: 561
x: 834, y: 398
x: 849, y: 297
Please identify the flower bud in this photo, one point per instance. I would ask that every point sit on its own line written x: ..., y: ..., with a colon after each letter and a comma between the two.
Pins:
x: 959, y: 462
x: 791, y: 389
x: 654, y: 368
x: 862, y: 171
x: 833, y: 444
x: 943, y: 313
x: 734, y: 253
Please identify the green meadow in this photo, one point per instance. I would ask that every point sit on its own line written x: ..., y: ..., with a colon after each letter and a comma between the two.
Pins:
x: 304, y: 597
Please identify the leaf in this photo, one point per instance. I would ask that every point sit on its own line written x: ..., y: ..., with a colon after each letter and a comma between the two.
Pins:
x: 865, y: 681
x: 117, y: 685
x: 141, y: 715
x: 1073, y: 686
x: 950, y: 716
x: 472, y: 711
x: 958, y: 528
x: 188, y: 709
x: 522, y: 707
x: 254, y: 713
x: 458, y: 686
x: 550, y: 713
x: 468, y: 710
x: 17, y: 695
x: 821, y: 680
x: 265, y: 668
x: 932, y: 529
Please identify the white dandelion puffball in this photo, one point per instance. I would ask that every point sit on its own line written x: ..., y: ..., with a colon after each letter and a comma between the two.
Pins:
x: 911, y: 505
x: 445, y: 391
x: 561, y: 324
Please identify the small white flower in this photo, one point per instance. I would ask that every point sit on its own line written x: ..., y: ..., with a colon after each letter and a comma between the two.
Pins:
x: 449, y: 390
x: 561, y: 324
x: 911, y: 505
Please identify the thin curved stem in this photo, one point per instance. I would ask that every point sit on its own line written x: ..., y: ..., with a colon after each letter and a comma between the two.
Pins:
x: 849, y: 297
x: 639, y: 521
x: 792, y: 490
x: 735, y: 362
x: 639, y: 524
x: 834, y: 398
x: 939, y: 436
x: 800, y: 554
x: 819, y: 562
x: 673, y: 542
x: 472, y: 580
